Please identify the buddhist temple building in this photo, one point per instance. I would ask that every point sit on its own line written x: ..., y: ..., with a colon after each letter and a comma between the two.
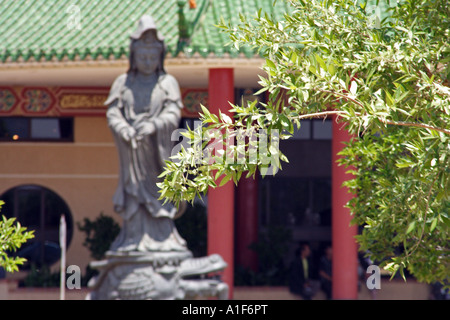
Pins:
x: 58, y: 60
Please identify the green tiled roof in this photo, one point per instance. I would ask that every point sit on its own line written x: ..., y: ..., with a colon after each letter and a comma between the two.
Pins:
x: 43, y: 30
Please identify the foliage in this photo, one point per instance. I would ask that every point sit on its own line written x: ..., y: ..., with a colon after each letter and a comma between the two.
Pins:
x: 41, y: 277
x: 100, y: 234
x: 12, y: 236
x: 387, y: 78
x: 271, y: 248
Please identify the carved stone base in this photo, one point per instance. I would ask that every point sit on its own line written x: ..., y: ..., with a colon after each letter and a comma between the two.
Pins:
x: 156, y: 276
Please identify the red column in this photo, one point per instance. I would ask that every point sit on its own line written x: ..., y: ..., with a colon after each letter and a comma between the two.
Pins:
x: 246, y: 222
x: 221, y: 199
x: 345, y: 256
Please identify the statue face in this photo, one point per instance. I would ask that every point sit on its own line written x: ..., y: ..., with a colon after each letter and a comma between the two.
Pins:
x: 147, y: 59
x: 149, y: 37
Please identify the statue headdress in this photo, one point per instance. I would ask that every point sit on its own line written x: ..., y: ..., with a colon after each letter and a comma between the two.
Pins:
x: 146, y: 23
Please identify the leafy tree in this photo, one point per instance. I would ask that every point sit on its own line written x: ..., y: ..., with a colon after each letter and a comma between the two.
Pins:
x: 12, y: 236
x: 100, y: 234
x: 387, y: 78
x: 41, y: 277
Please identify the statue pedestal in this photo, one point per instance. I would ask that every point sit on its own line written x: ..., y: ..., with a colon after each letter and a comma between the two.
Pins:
x: 157, y: 276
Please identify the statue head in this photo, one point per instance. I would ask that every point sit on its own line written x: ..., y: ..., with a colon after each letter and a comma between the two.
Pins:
x: 147, y: 49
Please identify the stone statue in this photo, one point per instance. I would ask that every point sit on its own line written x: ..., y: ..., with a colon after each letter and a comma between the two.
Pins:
x: 144, y: 110
x: 149, y: 259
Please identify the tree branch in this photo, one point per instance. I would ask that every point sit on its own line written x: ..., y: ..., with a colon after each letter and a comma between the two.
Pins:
x: 413, y: 124
x: 319, y: 114
x: 395, y: 123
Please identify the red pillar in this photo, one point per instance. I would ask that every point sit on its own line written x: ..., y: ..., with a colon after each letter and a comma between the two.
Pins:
x: 345, y: 256
x: 221, y: 199
x: 246, y: 222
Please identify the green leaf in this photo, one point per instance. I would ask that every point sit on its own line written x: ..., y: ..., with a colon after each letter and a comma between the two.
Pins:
x: 225, y: 180
x: 270, y: 64
x: 446, y: 221
x: 331, y: 69
x: 261, y: 90
x: 205, y: 111
x: 226, y: 118
x: 389, y: 100
x: 353, y: 88
x: 286, y: 123
x: 294, y: 57
x: 433, y: 224
x: 402, y: 273
x: 411, y: 227
x: 320, y: 61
